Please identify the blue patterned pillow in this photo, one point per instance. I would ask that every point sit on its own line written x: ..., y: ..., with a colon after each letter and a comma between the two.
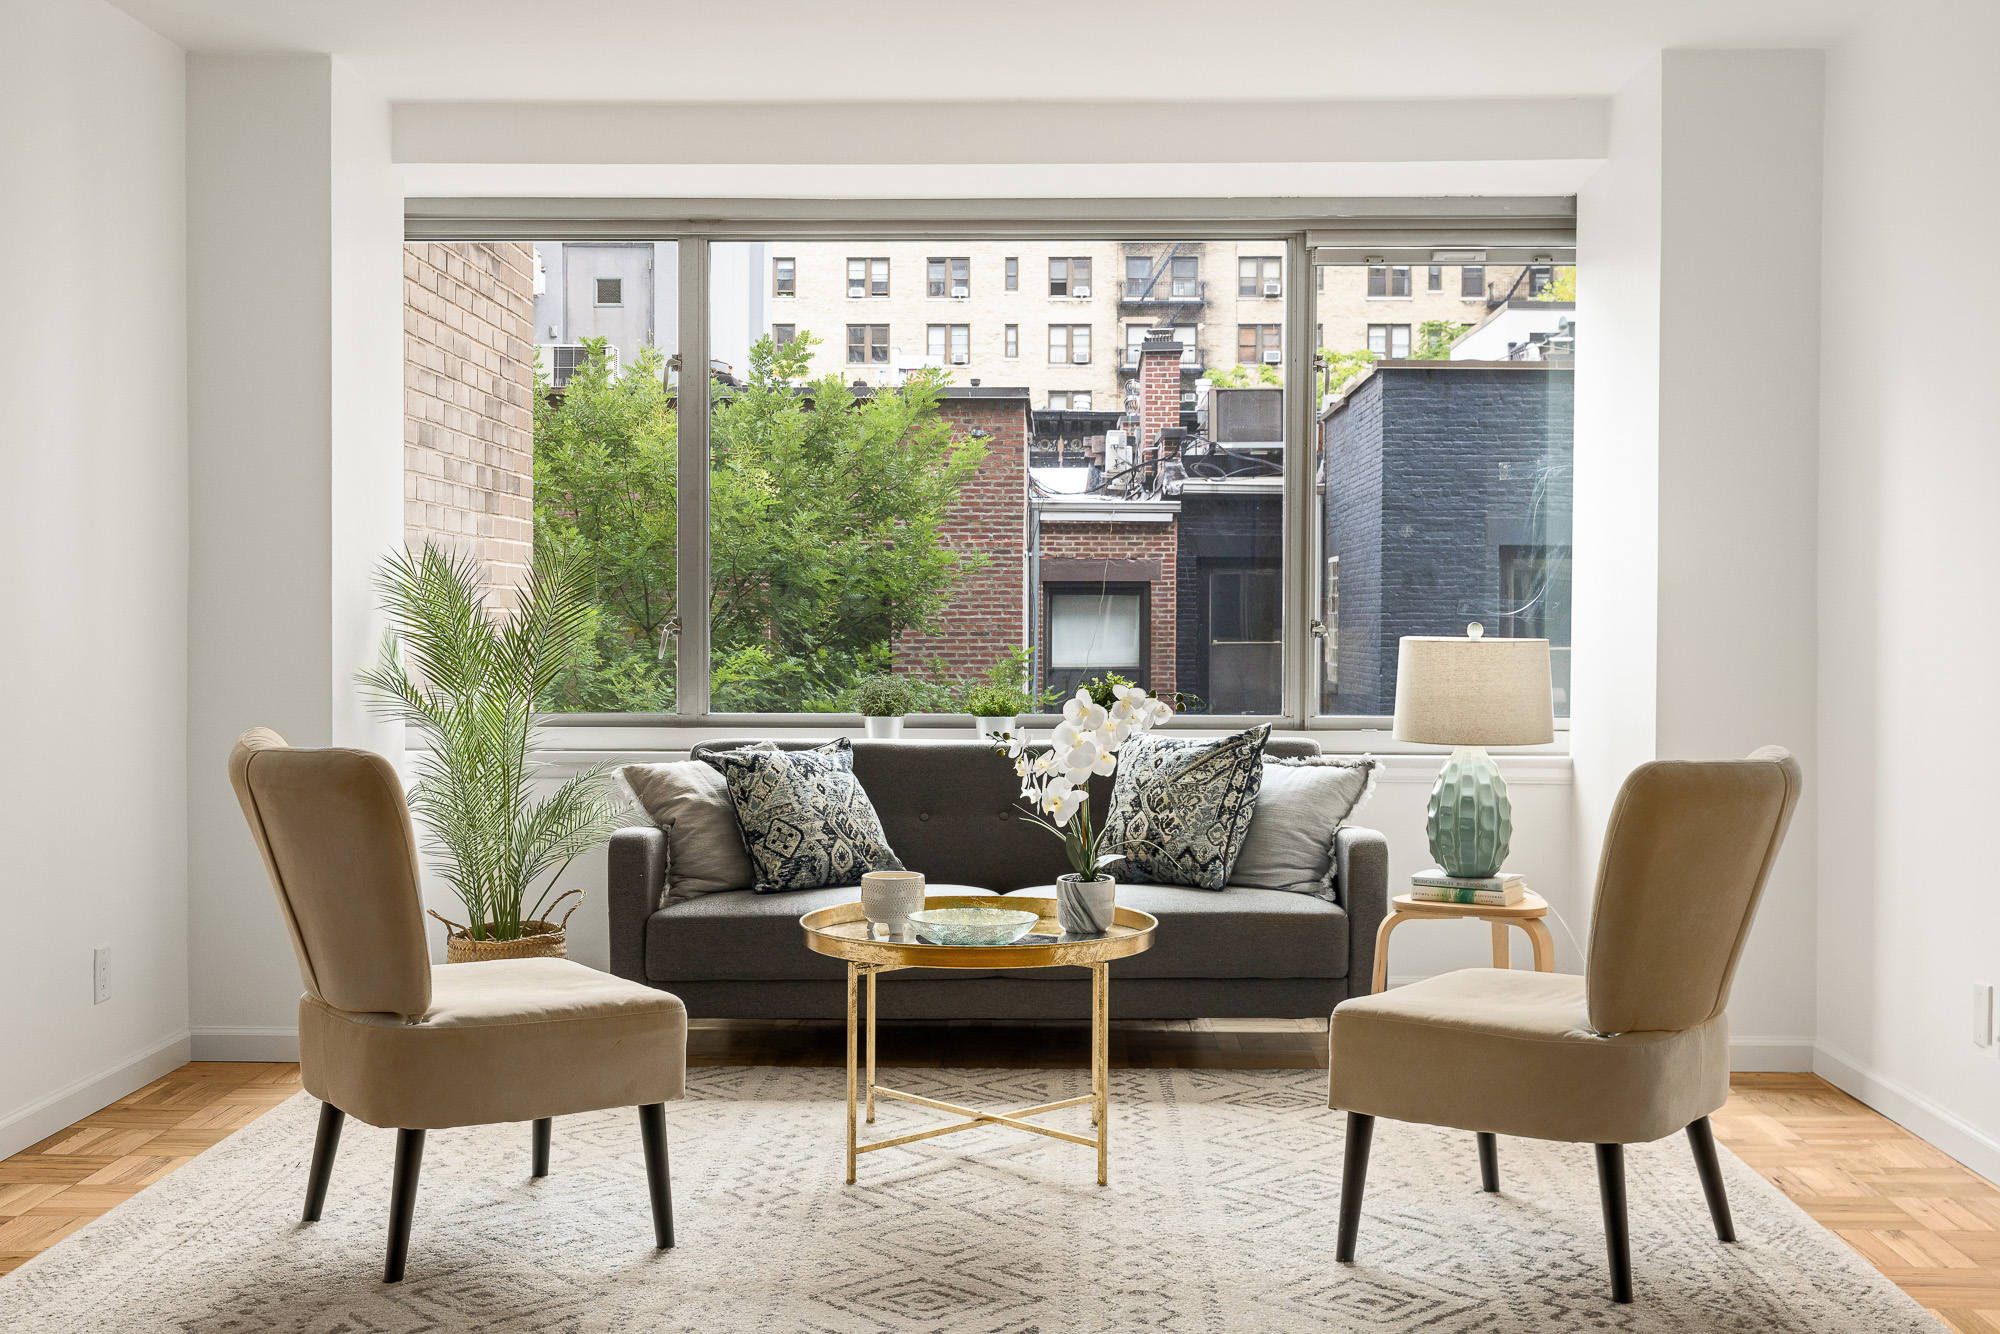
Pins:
x: 1181, y: 809
x: 805, y: 818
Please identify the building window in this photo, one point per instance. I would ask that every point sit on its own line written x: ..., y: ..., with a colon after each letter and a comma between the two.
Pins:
x: 868, y: 277
x: 1389, y: 340
x: 1069, y: 277
x: 1094, y: 629
x: 1245, y: 652
x: 1013, y: 341
x: 610, y: 291
x: 1540, y: 279
x: 1069, y: 344
x: 950, y: 343
x: 868, y: 344
x: 1259, y: 342
x: 782, y: 334
x: 1258, y: 278
x: 1138, y: 276
x: 950, y: 277
x: 1389, y: 280
x: 566, y: 359
x: 1435, y: 282
x: 1069, y: 400
x: 1472, y: 280
x: 1013, y: 273
x: 1185, y: 271
x: 784, y: 277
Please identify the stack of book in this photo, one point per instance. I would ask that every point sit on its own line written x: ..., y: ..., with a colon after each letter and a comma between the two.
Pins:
x: 1499, y: 891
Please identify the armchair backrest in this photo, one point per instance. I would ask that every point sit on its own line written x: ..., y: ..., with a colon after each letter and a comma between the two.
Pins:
x: 337, y: 842
x: 1686, y: 854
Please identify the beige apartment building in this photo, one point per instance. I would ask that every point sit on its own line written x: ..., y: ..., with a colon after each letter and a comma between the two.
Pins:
x: 1065, y: 319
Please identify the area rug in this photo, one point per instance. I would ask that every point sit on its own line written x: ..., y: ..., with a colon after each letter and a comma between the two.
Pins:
x: 1219, y: 1218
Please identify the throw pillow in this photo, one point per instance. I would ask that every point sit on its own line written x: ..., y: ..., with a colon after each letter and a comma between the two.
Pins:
x: 690, y: 802
x: 1180, y: 809
x: 1300, y: 807
x: 806, y: 820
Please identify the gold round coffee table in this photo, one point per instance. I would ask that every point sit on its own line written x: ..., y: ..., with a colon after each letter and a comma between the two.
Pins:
x: 844, y: 933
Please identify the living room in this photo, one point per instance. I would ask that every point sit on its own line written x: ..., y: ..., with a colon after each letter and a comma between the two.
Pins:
x: 1620, y: 346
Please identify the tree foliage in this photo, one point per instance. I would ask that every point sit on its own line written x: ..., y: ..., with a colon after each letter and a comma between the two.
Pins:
x: 1434, y: 339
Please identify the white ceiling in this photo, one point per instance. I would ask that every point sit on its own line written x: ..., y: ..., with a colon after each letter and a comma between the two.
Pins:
x: 1194, y: 50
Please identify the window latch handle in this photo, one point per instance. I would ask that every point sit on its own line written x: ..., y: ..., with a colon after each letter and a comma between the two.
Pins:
x: 669, y: 629
x: 1319, y: 629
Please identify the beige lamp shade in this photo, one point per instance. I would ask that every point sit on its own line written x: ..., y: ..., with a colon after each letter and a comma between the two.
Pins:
x: 1474, y: 691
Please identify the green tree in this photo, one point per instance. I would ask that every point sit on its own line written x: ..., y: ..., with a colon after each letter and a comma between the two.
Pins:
x: 1434, y: 339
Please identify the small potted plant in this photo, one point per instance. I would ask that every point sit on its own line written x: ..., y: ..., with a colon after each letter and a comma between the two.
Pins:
x: 882, y: 698
x: 1097, y: 722
x: 997, y: 703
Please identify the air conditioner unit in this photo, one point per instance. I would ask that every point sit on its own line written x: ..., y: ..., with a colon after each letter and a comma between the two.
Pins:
x: 959, y: 358
x: 960, y: 291
x: 1081, y: 358
x: 1081, y: 289
x: 1271, y: 288
x: 1272, y: 356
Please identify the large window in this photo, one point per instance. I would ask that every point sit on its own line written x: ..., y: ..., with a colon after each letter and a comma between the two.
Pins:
x: 1260, y: 344
x: 1069, y: 344
x: 1094, y: 629
x: 949, y: 277
x: 949, y: 343
x: 1070, y: 276
x: 867, y: 344
x: 1259, y: 277
x: 1389, y: 340
x: 867, y: 277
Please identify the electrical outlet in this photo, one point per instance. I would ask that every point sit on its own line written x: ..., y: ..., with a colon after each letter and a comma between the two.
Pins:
x: 100, y: 974
x: 1982, y: 1014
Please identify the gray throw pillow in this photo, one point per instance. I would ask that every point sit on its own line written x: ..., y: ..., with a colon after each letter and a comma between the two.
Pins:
x: 806, y: 819
x: 1300, y: 808
x: 1180, y: 809
x: 690, y: 802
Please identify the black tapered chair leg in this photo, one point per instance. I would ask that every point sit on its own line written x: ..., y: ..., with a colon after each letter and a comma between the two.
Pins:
x: 403, y: 1202
x: 653, y: 1133
x: 1489, y: 1162
x: 325, y: 1145
x: 1353, y: 1180
x: 1617, y: 1236
x: 1709, y: 1168
x: 542, y: 1129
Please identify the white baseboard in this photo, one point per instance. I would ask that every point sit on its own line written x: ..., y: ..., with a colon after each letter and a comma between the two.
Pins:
x: 1791, y: 1056
x: 68, y: 1105
x: 1911, y: 1110
x: 214, y: 1043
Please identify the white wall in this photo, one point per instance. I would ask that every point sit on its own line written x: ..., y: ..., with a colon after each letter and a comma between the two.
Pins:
x: 1909, y: 469
x: 295, y: 400
x: 93, y: 574
x: 1696, y: 436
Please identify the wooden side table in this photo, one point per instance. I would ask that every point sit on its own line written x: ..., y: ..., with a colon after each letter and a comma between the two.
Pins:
x: 1527, y: 914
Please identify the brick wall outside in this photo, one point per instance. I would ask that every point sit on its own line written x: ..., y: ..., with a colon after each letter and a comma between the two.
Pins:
x: 1159, y: 394
x: 990, y: 517
x: 1128, y: 541
x: 468, y: 423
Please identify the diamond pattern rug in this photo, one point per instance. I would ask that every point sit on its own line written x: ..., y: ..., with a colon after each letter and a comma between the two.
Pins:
x: 1219, y: 1219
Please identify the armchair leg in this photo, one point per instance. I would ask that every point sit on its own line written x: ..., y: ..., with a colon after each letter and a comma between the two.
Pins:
x: 541, y: 1151
x: 403, y: 1201
x: 326, y: 1144
x: 1353, y: 1178
x: 1709, y: 1168
x: 1489, y: 1162
x: 1617, y: 1237
x: 653, y: 1133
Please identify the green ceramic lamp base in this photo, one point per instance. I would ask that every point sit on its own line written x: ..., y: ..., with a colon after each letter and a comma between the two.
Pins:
x: 1469, y: 819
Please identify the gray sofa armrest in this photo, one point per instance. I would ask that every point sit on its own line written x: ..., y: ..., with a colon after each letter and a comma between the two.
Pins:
x: 1361, y: 879
x: 636, y: 868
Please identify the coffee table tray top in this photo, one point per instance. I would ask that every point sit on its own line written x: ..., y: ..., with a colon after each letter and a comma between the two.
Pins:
x: 844, y: 933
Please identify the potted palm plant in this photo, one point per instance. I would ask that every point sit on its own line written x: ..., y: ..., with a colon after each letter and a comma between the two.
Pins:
x: 882, y: 698
x: 467, y: 682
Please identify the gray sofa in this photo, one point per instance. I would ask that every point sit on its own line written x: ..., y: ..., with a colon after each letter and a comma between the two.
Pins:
x: 951, y: 809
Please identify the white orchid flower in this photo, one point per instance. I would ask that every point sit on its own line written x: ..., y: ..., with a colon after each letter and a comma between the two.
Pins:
x: 1062, y: 807
x: 1107, y: 763
x: 1017, y: 745
x: 1161, y: 711
x: 1044, y: 762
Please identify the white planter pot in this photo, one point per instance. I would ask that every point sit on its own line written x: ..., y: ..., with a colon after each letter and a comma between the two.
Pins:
x: 993, y: 727
x: 884, y: 729
x: 1085, y: 907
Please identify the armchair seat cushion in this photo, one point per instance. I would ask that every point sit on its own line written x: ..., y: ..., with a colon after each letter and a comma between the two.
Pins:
x: 1232, y: 932
x: 505, y: 1040
x: 1511, y: 1052
x: 738, y: 936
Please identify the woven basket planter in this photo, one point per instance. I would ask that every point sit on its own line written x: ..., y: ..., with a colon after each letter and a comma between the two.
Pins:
x: 538, y: 940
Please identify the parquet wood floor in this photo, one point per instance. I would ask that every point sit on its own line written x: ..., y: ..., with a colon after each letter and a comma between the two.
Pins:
x: 1929, y: 1224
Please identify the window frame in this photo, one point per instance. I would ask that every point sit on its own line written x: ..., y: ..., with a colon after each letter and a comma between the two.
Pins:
x: 1072, y: 277
x: 1389, y: 330
x: 597, y: 300
x: 785, y: 284
x: 1069, y: 357
x: 870, y: 266
x: 1267, y: 338
x: 1265, y: 270
x: 868, y: 345
x: 1315, y: 232
x: 1069, y: 588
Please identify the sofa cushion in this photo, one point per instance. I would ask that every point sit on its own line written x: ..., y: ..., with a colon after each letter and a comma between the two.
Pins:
x: 1300, y: 808
x: 690, y: 802
x: 1232, y: 932
x: 1180, y: 808
x: 736, y: 935
x: 806, y: 819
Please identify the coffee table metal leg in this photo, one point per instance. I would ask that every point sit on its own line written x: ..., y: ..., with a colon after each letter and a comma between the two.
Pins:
x: 853, y: 976
x: 871, y: 1048
x: 1100, y: 1060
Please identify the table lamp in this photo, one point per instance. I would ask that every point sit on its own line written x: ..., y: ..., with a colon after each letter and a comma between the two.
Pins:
x: 1472, y: 693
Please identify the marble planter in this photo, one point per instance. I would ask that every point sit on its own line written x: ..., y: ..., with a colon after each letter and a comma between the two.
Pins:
x: 1085, y: 907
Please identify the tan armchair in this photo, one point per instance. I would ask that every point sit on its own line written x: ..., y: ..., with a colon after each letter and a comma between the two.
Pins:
x: 396, y: 1042
x: 1635, y: 1049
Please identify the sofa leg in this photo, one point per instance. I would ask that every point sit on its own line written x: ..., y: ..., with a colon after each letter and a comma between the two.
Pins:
x: 326, y: 1144
x: 1489, y: 1162
x: 403, y: 1202
x: 543, y: 1128
x: 1709, y: 1168
x: 1617, y: 1236
x: 653, y: 1133
x: 1353, y: 1179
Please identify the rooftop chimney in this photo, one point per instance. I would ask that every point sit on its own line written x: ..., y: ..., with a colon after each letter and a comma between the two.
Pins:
x: 1159, y: 388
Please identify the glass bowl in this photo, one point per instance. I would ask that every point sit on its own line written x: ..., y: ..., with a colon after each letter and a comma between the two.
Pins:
x: 972, y: 926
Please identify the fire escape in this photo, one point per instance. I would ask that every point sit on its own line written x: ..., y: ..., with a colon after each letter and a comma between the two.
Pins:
x: 1170, y: 299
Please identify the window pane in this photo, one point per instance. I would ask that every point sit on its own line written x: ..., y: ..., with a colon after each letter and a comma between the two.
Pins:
x: 547, y: 407
x: 1013, y: 273
x: 1447, y: 481
x: 1094, y: 630
x: 935, y: 341
x: 936, y: 277
x: 1012, y: 341
x: 1435, y: 281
